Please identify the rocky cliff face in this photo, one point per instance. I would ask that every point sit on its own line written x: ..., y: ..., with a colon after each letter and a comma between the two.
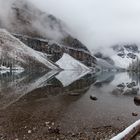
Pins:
x: 55, y: 50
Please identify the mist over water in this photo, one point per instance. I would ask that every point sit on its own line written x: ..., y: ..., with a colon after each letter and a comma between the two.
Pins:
x: 97, y: 23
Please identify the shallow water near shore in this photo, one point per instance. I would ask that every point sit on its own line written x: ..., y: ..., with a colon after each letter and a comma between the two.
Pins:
x: 56, y: 105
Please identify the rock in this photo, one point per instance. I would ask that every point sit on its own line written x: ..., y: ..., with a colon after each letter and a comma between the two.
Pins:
x: 134, y: 114
x: 47, y: 123
x: 54, y: 130
x: 52, y: 123
x: 137, y: 100
x: 29, y: 131
x: 92, y: 97
x: 73, y: 135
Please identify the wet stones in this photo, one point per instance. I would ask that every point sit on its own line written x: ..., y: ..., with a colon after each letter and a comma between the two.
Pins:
x: 29, y: 131
x: 92, y: 97
x: 52, y: 129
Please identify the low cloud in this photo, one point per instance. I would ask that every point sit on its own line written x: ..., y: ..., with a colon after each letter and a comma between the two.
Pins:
x: 97, y: 23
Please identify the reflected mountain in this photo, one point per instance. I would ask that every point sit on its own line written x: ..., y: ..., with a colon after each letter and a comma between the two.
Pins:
x: 36, y: 86
x: 30, y: 99
x: 13, y: 87
x: 104, y: 78
x: 55, y: 88
x: 126, y: 84
x: 135, y: 77
x: 67, y: 77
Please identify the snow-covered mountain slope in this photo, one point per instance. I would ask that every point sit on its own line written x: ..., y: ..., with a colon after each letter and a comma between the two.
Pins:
x: 69, y: 63
x: 124, y: 54
x: 14, y: 52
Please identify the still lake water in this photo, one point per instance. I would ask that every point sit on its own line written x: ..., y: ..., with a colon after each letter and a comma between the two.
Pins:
x: 28, y: 101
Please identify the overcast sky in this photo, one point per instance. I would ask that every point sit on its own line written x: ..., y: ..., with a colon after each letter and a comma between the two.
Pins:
x: 98, y: 23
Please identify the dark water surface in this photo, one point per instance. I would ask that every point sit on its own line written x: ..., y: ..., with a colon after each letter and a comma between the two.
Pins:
x: 58, y: 106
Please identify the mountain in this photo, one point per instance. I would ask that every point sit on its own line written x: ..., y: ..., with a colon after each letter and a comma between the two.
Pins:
x: 26, y: 19
x: 124, y: 54
x: 14, y: 53
x: 73, y: 70
x: 121, y: 57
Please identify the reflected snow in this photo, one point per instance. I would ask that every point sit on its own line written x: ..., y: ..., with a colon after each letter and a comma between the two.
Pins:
x: 13, y: 86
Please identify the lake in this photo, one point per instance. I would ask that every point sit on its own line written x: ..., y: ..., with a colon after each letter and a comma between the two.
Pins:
x: 57, y: 105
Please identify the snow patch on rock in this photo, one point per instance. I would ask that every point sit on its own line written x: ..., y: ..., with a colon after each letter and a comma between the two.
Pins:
x: 67, y: 62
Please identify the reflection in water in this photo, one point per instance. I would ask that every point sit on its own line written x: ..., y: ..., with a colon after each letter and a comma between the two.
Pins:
x: 104, y: 78
x: 125, y: 84
x: 68, y: 77
x: 135, y: 77
x: 28, y: 100
x: 13, y: 87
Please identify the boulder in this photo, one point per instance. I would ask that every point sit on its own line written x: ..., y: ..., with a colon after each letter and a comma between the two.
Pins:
x: 137, y: 100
